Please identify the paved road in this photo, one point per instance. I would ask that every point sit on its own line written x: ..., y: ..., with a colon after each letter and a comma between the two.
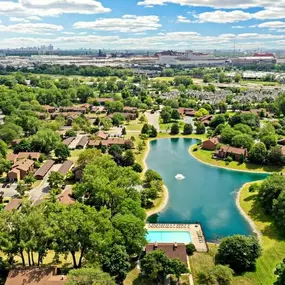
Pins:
x: 43, y: 189
x: 153, y: 119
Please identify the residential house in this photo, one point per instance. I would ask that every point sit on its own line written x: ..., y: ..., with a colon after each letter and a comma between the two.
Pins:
x: 83, y: 142
x: 29, y: 155
x: 171, y: 250
x: 102, y: 135
x: 21, y: 169
x: 211, y: 144
x: 206, y: 120
x: 235, y: 152
x: 78, y: 173
x: 187, y: 112
x: 12, y: 157
x: 68, y: 141
x: 65, y: 167
x: 42, y: 172
x: 13, y: 204
x: 49, y: 109
x: 35, y: 276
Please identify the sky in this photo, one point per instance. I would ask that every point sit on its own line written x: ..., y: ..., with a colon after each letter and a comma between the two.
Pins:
x: 144, y: 24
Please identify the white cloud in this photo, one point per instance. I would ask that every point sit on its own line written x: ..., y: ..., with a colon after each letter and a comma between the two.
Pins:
x: 128, y: 23
x: 26, y: 8
x: 238, y: 27
x: 34, y: 18
x: 224, y: 17
x: 21, y: 20
x: 182, y: 19
x: 228, y: 4
x: 272, y: 25
x: 31, y: 28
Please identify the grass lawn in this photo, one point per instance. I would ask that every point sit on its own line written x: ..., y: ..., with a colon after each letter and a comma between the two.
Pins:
x: 260, y: 82
x: 134, y: 126
x: 74, y: 154
x: 206, y: 156
x: 163, y: 79
x: 273, y: 247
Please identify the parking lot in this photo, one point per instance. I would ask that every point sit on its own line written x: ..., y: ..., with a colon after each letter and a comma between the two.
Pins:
x: 9, y: 189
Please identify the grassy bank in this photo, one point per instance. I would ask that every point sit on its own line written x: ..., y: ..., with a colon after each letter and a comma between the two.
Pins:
x: 206, y: 157
x: 273, y: 246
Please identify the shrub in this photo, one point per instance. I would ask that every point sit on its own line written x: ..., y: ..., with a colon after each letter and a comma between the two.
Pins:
x: 195, y: 149
x: 190, y: 248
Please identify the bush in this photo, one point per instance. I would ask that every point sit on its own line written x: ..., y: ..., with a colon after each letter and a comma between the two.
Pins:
x: 190, y: 248
x: 229, y: 159
x: 254, y: 187
x: 137, y: 168
x: 195, y: 149
x: 174, y: 129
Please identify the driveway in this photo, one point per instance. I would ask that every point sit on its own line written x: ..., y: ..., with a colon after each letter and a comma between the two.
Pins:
x: 43, y: 189
x: 9, y: 192
x: 153, y: 119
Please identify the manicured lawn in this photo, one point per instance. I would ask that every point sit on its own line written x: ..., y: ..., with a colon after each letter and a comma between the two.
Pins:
x: 206, y: 156
x: 273, y: 244
x: 134, y: 126
x: 163, y: 79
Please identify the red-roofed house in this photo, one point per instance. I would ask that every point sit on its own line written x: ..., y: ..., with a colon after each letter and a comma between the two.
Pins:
x: 211, y: 144
x: 235, y: 152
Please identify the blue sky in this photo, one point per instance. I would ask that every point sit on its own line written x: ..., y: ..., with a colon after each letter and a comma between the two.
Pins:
x: 143, y: 24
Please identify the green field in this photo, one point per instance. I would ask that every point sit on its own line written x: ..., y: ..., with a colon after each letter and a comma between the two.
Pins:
x: 206, y: 156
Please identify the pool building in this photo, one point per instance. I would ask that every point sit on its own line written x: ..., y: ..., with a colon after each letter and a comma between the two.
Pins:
x: 177, y: 234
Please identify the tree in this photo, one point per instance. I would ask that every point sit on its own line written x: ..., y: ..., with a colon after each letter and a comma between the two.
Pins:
x: 156, y: 266
x: 3, y: 148
x: 188, y: 129
x: 237, y: 77
x: 218, y: 119
x: 45, y: 141
x: 223, y: 107
x: 132, y: 232
x: 124, y: 131
x: 79, y: 230
x: 269, y: 191
x: 166, y: 114
x: 88, y: 156
x: 62, y: 151
x: 269, y: 140
x: 129, y: 158
x: 145, y: 129
x: 151, y: 175
x: 142, y: 119
x: 278, y: 211
x: 21, y: 188
x: 175, y: 114
x: 5, y: 165
x: 228, y: 134
x: 276, y: 156
x: 115, y: 261
x: 152, y: 132
x: 280, y: 273
x: 141, y: 146
x: 201, y: 112
x: 55, y: 180
x: 257, y: 153
x: 174, y: 129
x: 89, y: 276
x: 239, y: 252
x: 117, y: 153
x: 200, y: 128
x: 243, y: 141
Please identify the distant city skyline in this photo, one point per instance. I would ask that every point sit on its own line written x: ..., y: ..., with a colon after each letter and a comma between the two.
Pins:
x: 143, y: 24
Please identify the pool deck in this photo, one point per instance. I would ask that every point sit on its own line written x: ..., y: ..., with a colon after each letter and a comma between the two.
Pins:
x: 195, y: 231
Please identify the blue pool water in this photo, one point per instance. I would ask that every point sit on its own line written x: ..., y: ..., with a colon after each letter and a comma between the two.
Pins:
x: 168, y: 236
x: 206, y: 195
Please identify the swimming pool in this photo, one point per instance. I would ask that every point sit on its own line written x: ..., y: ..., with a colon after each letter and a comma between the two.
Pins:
x: 168, y: 236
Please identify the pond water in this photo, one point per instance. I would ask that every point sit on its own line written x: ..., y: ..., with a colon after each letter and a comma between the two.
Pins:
x: 206, y: 195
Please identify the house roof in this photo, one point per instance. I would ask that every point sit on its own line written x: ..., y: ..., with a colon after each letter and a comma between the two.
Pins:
x: 83, y: 141
x: 65, y: 167
x: 31, y: 155
x: 102, y: 135
x: 94, y: 142
x: 12, y: 157
x: 233, y: 150
x: 13, y: 204
x: 66, y: 197
x: 170, y: 249
x: 45, y: 168
x: 24, y: 164
x: 34, y: 276
x: 68, y: 141
x: 215, y: 140
x: 112, y: 141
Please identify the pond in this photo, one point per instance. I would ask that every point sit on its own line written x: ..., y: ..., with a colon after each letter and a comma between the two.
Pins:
x: 205, y: 195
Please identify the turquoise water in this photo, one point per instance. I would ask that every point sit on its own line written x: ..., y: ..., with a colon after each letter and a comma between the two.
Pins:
x: 168, y: 236
x: 206, y: 195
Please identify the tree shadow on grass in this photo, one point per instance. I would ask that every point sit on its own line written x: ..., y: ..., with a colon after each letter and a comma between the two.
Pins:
x: 270, y: 230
